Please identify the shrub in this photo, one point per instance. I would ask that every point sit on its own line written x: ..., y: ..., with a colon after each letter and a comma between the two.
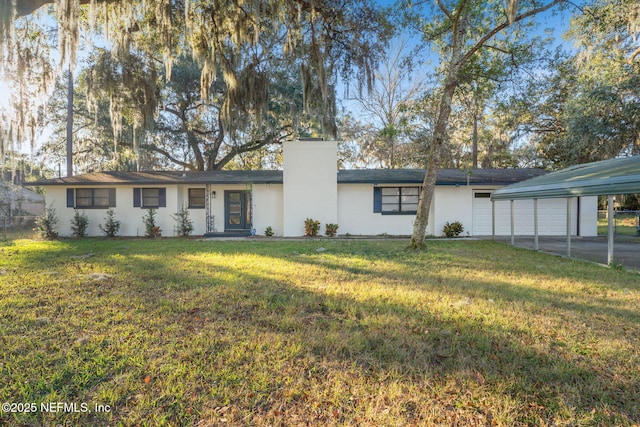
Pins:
x: 311, y: 227
x: 111, y: 225
x: 184, y: 224
x: 453, y: 230
x: 79, y: 224
x: 47, y: 222
x: 331, y: 229
x: 151, y: 229
x: 268, y: 231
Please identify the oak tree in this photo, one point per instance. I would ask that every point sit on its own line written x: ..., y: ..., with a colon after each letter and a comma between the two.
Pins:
x: 462, y: 31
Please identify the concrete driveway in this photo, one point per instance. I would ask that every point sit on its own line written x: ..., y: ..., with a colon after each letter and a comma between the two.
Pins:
x: 626, y: 250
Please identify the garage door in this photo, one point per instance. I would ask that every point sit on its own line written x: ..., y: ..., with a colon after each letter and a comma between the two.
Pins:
x: 552, y: 216
x: 481, y: 216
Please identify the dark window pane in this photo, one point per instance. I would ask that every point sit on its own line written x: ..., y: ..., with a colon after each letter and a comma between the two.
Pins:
x: 196, y: 197
x: 390, y: 191
x: 101, y: 197
x: 95, y: 197
x: 409, y: 207
x: 150, y: 197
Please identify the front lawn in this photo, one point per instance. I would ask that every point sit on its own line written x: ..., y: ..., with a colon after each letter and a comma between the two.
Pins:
x: 320, y: 332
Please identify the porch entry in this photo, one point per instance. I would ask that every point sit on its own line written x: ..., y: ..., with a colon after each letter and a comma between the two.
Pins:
x: 237, y: 210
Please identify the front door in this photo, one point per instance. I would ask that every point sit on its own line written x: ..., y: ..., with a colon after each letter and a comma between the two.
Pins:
x: 237, y: 207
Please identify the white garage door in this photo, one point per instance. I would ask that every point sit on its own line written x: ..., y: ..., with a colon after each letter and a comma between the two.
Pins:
x: 552, y: 216
x: 481, y: 216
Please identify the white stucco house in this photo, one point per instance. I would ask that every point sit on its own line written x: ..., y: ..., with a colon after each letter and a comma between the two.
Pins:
x: 361, y: 202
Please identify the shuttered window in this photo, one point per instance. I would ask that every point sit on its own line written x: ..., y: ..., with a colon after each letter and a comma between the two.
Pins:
x: 92, y: 198
x: 150, y: 197
x: 396, y: 200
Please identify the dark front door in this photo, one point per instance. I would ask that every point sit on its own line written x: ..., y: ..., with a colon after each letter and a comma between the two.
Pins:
x: 237, y: 210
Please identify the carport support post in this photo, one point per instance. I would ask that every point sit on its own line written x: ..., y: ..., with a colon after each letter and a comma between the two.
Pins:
x: 569, y: 227
x: 493, y: 220
x: 513, y: 239
x: 535, y: 224
x: 610, y: 232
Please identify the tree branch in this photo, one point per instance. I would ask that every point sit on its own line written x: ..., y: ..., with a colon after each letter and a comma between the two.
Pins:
x: 169, y: 156
x: 445, y: 10
x: 504, y: 25
x: 218, y: 141
x: 633, y: 55
x: 249, y: 146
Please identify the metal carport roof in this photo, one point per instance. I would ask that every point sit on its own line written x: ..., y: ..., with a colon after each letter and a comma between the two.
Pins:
x: 607, y: 177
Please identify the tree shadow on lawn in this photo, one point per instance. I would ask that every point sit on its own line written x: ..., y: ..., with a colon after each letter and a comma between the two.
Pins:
x: 589, y: 295
x: 382, y: 337
x: 272, y: 349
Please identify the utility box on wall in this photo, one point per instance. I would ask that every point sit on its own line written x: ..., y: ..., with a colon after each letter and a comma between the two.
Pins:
x: 310, y: 188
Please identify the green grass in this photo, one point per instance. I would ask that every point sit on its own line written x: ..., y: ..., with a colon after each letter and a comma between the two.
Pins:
x: 263, y: 333
x: 625, y: 225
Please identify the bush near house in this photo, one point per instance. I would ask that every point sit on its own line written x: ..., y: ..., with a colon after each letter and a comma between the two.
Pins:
x: 311, y: 227
x: 453, y: 229
x: 79, y: 224
x: 331, y: 229
x: 151, y: 229
x: 47, y: 223
x: 111, y: 225
x: 184, y: 224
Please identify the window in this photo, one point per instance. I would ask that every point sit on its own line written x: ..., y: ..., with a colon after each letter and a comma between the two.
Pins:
x: 149, y: 197
x: 196, y: 198
x: 482, y: 195
x: 396, y: 200
x: 91, y: 198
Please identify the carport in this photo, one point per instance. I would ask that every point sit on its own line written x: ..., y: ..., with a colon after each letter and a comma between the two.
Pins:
x: 604, y: 178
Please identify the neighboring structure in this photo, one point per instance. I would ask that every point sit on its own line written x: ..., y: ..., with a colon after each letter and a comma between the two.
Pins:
x: 18, y: 201
x: 361, y: 202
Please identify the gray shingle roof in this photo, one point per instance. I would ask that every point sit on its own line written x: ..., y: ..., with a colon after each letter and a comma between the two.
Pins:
x: 445, y: 176
x: 168, y: 177
x: 354, y: 176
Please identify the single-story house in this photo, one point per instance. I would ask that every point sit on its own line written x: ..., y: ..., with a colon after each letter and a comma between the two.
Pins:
x: 361, y: 202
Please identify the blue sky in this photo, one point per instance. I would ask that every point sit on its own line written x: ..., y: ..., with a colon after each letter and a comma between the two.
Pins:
x: 551, y: 24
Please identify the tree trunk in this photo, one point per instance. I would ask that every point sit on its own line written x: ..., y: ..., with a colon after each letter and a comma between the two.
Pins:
x: 70, y: 124
x: 194, y: 144
x: 439, y: 135
x: 475, y: 128
x: 433, y: 164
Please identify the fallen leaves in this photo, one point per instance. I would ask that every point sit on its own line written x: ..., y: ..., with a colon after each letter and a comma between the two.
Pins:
x: 479, y: 378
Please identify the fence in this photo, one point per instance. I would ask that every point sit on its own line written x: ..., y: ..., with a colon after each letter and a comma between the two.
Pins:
x: 15, y: 227
x: 626, y: 223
